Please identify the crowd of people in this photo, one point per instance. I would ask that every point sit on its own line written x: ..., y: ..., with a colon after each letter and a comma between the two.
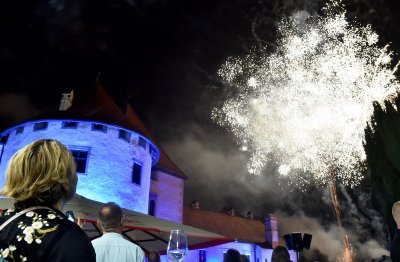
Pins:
x: 279, y: 254
x: 41, y: 178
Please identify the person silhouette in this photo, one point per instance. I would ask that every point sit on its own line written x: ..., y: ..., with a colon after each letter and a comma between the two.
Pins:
x: 395, y: 245
x: 232, y: 255
x: 153, y: 257
x: 112, y: 246
x: 280, y: 254
x: 41, y: 178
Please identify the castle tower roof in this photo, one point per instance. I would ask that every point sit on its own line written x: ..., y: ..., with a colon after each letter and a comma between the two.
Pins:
x: 95, y: 104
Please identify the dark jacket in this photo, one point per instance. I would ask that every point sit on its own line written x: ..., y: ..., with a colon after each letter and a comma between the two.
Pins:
x: 43, y: 235
x: 395, y: 247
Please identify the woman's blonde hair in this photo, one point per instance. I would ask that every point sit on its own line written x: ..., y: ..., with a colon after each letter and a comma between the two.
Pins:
x: 43, y: 172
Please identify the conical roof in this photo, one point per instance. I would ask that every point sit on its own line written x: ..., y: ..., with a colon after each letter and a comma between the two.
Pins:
x: 95, y: 104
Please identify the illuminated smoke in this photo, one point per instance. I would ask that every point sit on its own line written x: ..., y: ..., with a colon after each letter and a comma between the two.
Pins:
x: 305, y: 106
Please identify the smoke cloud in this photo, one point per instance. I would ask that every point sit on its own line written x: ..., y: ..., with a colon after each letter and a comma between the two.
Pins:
x: 217, y: 176
x: 217, y: 172
x: 328, y: 240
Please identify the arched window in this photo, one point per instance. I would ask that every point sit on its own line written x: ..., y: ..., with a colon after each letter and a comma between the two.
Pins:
x: 152, y: 204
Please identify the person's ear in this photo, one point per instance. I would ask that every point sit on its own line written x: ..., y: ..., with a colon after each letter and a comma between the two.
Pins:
x: 396, y: 213
x: 99, y: 225
x: 65, y: 187
x: 80, y: 223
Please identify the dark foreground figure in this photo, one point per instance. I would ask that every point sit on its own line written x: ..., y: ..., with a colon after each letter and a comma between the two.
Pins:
x: 41, y: 178
x: 395, y: 246
x: 280, y: 254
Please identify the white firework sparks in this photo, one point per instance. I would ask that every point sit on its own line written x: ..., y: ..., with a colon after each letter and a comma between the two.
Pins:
x: 307, y: 103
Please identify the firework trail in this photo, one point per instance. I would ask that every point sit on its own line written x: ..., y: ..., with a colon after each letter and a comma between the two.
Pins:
x: 305, y: 105
x: 348, y: 253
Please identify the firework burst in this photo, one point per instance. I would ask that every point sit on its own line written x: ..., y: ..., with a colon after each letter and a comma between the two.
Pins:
x: 306, y: 104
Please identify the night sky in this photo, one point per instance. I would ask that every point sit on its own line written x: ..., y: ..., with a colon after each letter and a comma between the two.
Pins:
x: 162, y: 57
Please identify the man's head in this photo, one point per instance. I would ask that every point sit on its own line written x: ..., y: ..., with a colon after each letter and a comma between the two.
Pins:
x: 396, y: 213
x: 280, y: 254
x: 196, y: 204
x: 154, y: 256
x: 43, y: 171
x: 110, y: 217
x: 232, y: 255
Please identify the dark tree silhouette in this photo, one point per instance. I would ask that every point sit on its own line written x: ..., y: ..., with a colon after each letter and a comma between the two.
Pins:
x: 382, y: 146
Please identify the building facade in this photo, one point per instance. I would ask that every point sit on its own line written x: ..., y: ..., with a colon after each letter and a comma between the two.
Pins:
x: 118, y: 160
x: 254, y: 239
x: 113, y: 163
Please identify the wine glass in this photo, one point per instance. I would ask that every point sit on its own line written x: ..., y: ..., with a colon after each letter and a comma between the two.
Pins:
x: 177, y: 246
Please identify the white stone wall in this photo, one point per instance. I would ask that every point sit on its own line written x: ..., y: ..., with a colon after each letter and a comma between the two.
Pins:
x: 216, y: 253
x: 109, y: 168
x: 264, y: 254
x: 169, y: 191
x: 256, y: 253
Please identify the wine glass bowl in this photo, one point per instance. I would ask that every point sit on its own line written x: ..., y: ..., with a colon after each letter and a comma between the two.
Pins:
x: 177, y: 245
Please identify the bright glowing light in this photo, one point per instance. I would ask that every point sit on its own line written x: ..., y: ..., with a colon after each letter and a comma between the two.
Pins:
x: 284, y: 170
x: 252, y: 82
x: 307, y: 103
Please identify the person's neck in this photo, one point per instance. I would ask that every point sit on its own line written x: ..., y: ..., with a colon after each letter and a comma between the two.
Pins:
x: 59, y: 205
x: 112, y: 230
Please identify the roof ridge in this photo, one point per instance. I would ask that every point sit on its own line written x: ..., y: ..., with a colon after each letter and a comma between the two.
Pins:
x: 223, y: 214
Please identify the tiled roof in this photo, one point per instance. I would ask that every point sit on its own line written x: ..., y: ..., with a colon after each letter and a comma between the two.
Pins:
x: 97, y: 105
x: 164, y: 163
x: 241, y: 229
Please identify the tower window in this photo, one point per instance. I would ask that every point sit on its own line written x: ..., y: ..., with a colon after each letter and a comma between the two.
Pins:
x: 99, y: 127
x: 137, y: 173
x: 40, y: 126
x: 19, y: 130
x: 152, y: 204
x: 124, y: 135
x: 70, y: 124
x: 153, y: 152
x: 202, y: 256
x: 4, y: 139
x: 152, y: 207
x: 142, y: 142
x: 81, y: 159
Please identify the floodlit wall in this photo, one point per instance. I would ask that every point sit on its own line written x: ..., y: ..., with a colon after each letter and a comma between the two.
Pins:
x: 216, y: 253
x: 108, y: 174
x: 169, y: 192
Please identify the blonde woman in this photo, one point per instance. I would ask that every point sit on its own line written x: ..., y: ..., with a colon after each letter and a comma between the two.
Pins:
x: 41, y: 178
